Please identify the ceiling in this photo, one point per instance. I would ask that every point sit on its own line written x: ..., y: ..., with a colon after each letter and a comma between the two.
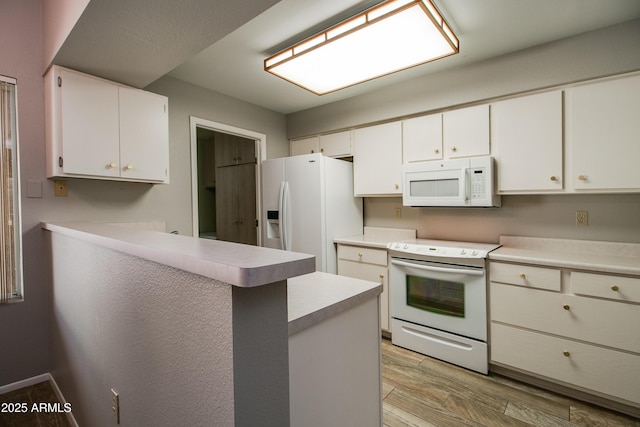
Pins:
x: 241, y: 33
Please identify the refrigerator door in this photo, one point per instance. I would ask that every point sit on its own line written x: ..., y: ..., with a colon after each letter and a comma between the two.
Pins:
x: 306, y: 216
x: 272, y: 184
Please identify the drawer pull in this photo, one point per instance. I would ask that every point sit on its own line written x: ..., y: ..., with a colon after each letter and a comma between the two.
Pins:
x: 554, y: 178
x: 566, y: 353
x: 382, y: 277
x: 615, y: 288
x: 359, y: 255
x: 523, y: 276
x: 566, y: 307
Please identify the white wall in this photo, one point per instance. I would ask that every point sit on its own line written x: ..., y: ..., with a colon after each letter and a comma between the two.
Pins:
x: 608, y: 51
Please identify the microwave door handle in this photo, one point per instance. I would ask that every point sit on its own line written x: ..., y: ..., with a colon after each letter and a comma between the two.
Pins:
x: 465, y: 183
x: 438, y: 269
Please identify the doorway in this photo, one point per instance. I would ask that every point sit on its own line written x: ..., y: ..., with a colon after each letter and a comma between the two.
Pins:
x: 225, y: 181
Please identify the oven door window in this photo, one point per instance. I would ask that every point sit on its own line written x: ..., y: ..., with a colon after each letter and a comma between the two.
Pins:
x: 437, y: 296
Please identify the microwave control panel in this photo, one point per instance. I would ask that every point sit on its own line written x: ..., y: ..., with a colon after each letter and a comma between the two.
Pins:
x: 478, y: 183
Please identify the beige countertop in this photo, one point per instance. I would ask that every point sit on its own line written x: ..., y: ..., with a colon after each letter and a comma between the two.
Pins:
x: 232, y: 263
x: 313, y: 298
x: 606, y: 257
x: 377, y: 237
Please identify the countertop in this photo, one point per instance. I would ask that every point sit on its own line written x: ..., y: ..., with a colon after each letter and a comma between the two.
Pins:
x: 232, y: 263
x: 606, y: 257
x: 377, y: 237
x: 314, y: 297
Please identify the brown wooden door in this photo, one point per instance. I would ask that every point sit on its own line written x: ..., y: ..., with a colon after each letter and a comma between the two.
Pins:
x: 236, y: 204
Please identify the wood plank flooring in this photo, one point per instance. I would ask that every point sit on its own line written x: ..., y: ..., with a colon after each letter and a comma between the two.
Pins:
x: 419, y: 391
x: 38, y: 393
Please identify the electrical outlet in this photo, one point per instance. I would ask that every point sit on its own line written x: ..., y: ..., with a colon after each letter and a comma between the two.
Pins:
x: 115, y: 406
x: 60, y: 189
x: 582, y: 218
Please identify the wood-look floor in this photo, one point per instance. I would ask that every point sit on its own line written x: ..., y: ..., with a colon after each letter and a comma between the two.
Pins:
x: 38, y: 393
x: 419, y: 391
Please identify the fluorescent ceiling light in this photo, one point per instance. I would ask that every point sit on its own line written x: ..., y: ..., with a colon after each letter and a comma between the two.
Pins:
x: 393, y: 36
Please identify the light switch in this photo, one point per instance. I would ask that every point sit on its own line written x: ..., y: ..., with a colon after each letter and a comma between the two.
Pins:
x: 34, y: 189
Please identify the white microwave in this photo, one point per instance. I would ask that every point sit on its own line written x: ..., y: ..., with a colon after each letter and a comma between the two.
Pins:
x: 468, y: 182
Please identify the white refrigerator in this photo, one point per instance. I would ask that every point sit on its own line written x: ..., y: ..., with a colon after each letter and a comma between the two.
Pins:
x: 307, y: 201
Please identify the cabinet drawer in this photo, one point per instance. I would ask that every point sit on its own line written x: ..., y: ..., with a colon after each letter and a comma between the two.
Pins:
x: 606, y: 286
x: 587, y: 319
x: 360, y: 254
x: 602, y: 370
x: 525, y: 275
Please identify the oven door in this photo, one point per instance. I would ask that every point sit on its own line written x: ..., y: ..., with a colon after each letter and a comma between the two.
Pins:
x: 447, y: 297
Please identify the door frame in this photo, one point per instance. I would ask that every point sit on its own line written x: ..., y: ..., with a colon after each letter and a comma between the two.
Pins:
x: 261, y: 153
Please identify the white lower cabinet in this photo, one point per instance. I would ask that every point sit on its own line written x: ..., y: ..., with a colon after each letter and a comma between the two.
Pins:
x: 367, y: 264
x: 573, y: 328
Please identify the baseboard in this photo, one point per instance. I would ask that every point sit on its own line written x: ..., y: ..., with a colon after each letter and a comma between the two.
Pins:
x: 37, y: 380
x: 62, y: 400
x: 25, y: 383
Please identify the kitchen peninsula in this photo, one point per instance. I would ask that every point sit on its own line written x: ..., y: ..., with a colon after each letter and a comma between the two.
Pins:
x: 184, y: 330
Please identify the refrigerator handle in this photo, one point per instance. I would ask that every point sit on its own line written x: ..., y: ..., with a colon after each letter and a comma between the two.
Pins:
x: 285, y: 221
x: 281, y: 215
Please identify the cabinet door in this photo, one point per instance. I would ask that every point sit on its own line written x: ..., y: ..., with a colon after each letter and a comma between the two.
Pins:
x: 372, y: 273
x: 422, y: 138
x: 526, y: 138
x: 236, y: 210
x: 465, y: 132
x: 305, y: 146
x: 603, y: 130
x: 89, y: 125
x: 144, y: 135
x: 377, y: 160
x: 231, y: 150
x: 336, y: 144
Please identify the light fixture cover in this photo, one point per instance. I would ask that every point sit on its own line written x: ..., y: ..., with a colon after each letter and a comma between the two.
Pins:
x: 392, y: 36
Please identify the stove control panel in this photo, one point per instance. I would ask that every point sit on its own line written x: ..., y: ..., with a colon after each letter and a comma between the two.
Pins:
x: 436, y: 250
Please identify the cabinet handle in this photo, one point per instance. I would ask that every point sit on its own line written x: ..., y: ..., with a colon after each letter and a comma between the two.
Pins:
x: 615, y: 288
x: 397, y: 186
x: 454, y: 149
x: 436, y: 150
x: 129, y: 167
x: 582, y: 177
x: 553, y: 178
x: 566, y: 307
x: 382, y: 277
x: 312, y: 151
x: 322, y: 150
x: 523, y: 276
x: 359, y: 255
x: 566, y: 353
x: 112, y: 165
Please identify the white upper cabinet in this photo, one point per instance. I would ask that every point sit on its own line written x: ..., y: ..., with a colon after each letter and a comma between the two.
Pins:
x: 603, y: 135
x: 336, y: 144
x: 526, y: 139
x: 99, y: 129
x: 465, y: 132
x: 377, y: 160
x: 304, y: 146
x: 422, y: 138
x: 144, y: 135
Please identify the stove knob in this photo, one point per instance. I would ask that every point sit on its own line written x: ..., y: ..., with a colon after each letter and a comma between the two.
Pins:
x: 406, y: 246
x: 463, y: 252
x: 474, y: 252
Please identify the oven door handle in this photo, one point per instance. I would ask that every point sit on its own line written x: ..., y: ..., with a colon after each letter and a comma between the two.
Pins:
x: 438, y: 269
